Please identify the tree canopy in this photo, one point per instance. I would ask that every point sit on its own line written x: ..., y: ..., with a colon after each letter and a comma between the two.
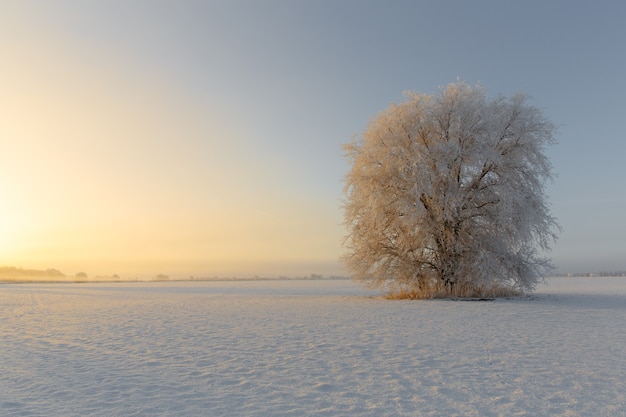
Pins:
x: 446, y: 194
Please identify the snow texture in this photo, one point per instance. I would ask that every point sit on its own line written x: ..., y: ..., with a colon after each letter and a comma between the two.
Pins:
x: 309, y: 348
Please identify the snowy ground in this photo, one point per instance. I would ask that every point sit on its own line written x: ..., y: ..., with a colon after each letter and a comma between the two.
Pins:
x: 308, y: 348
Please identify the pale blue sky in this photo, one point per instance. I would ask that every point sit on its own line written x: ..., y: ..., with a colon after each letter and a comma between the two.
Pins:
x: 213, y: 129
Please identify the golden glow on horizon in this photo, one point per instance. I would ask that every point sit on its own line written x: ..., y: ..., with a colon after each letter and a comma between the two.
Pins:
x: 109, y: 170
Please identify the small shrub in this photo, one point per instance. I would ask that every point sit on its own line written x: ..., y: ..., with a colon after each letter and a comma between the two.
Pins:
x: 436, y: 291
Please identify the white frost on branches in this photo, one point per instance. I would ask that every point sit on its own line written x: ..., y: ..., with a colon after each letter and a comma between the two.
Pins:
x: 448, y: 190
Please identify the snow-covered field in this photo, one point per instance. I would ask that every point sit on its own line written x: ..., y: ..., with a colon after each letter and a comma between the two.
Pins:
x: 308, y: 348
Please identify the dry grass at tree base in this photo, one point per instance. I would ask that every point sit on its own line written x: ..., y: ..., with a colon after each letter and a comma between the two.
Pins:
x: 468, y: 292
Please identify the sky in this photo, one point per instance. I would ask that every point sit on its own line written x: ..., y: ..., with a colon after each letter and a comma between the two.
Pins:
x: 204, y: 137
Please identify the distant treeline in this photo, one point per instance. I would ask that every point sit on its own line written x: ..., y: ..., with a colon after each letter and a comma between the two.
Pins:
x: 311, y: 277
x: 593, y: 274
x: 12, y: 272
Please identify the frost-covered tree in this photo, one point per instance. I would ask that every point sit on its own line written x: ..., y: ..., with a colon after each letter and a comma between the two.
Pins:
x: 446, y: 195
